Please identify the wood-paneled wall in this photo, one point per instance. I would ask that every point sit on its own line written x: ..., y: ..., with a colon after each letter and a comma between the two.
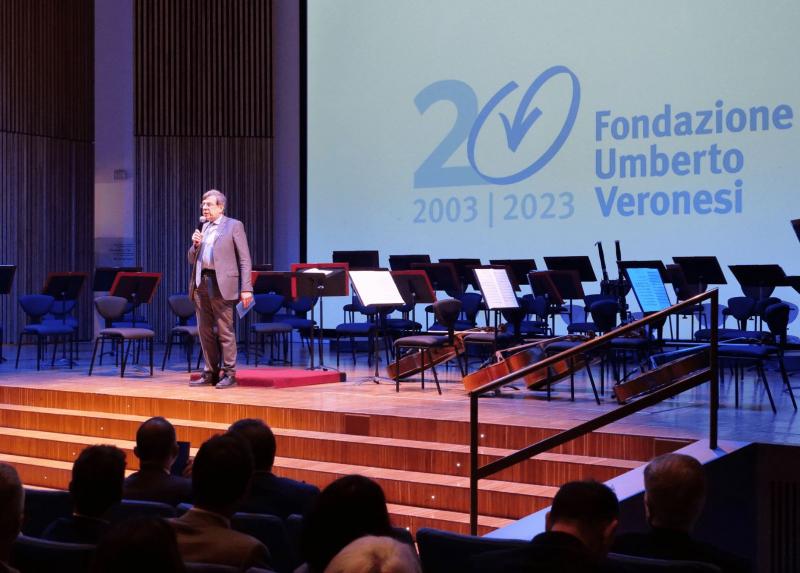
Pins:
x: 203, y: 120
x: 46, y: 147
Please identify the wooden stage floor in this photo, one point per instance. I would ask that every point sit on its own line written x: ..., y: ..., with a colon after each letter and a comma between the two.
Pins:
x: 685, y: 417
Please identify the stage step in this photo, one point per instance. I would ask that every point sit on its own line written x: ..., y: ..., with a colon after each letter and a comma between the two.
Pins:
x: 601, y: 444
x: 545, y: 469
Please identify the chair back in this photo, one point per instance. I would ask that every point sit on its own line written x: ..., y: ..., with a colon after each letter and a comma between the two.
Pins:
x: 268, y: 304
x: 129, y: 508
x: 36, y: 306
x: 634, y: 564
x: 301, y: 304
x: 604, y: 314
x: 32, y: 554
x: 761, y: 305
x: 269, y: 530
x: 446, y: 313
x: 183, y: 307
x: 777, y: 318
x: 742, y: 308
x: 470, y: 305
x: 43, y: 507
x: 211, y: 568
x: 444, y: 552
x: 110, y: 307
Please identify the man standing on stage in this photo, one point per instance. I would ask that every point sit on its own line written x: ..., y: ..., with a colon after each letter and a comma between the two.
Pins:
x: 221, y: 262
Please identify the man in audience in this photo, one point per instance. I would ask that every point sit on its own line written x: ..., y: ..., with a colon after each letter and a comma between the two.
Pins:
x: 12, y: 501
x: 220, y: 477
x: 269, y: 493
x: 580, y: 527
x: 675, y: 491
x: 157, y: 449
x: 96, y: 486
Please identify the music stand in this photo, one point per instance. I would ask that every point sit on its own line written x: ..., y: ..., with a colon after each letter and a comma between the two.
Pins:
x: 542, y: 284
x: 702, y: 271
x: 357, y: 259
x: 648, y: 264
x: 404, y: 262
x: 441, y: 275
x: 518, y: 270
x: 104, y: 277
x: 464, y: 270
x: 6, y: 280
x: 64, y: 288
x: 262, y: 267
x: 278, y: 282
x: 319, y: 280
x: 759, y: 281
x: 379, y: 290
x: 581, y: 263
x: 136, y: 288
x: 415, y: 287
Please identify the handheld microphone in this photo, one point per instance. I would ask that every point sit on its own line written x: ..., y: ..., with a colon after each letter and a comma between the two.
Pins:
x: 200, y: 223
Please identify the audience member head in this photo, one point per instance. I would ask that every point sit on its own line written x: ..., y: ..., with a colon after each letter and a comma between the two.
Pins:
x: 136, y: 545
x: 97, y: 477
x: 675, y: 491
x: 351, y: 507
x: 12, y: 502
x: 370, y: 554
x: 156, y: 442
x: 261, y: 440
x: 588, y: 510
x: 221, y: 473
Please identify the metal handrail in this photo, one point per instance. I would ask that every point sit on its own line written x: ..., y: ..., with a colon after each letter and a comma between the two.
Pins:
x: 705, y: 375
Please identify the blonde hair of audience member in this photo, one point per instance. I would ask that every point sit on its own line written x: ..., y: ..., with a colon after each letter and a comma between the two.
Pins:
x: 674, y: 491
x: 371, y: 554
x: 12, y: 506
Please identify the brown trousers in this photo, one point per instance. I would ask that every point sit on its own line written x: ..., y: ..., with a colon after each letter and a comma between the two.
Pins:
x: 214, y: 311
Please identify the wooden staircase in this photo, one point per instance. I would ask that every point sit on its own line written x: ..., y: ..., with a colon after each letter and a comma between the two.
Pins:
x: 422, y: 464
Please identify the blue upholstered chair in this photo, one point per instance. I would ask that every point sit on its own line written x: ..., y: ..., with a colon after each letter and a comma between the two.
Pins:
x: 32, y: 554
x: 36, y: 306
x: 267, y: 307
x: 444, y: 551
x: 111, y: 308
x: 185, y: 331
x: 43, y: 507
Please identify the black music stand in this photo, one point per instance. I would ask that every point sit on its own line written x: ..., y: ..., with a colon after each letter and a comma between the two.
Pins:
x: 320, y: 283
x: 581, y: 263
x: 701, y: 271
x: 442, y: 276
x: 104, y: 276
x: 261, y: 267
x: 136, y: 288
x: 759, y: 281
x: 357, y: 259
x: 542, y: 284
x: 518, y: 270
x: 378, y: 290
x: 415, y: 287
x: 464, y: 270
x: 278, y: 282
x: 6, y: 280
x: 404, y: 262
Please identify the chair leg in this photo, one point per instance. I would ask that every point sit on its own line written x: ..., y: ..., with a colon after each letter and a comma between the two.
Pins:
x: 150, y: 340
x: 785, y: 377
x: 126, y: 351
x: 397, y: 369
x: 591, y: 380
x: 19, y: 348
x: 167, y: 352
x: 435, y: 376
x: 760, y: 368
x: 94, y: 354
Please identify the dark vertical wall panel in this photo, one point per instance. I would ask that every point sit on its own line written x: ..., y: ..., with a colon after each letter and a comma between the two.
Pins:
x: 46, y: 149
x: 202, y: 121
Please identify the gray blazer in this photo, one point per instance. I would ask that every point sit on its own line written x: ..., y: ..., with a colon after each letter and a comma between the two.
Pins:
x: 231, y: 260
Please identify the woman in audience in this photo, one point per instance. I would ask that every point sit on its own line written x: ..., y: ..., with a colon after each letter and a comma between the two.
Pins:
x: 349, y: 508
x: 370, y: 554
x: 138, y: 545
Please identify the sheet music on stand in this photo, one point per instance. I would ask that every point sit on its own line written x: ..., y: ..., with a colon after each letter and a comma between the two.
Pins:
x: 496, y: 287
x: 376, y: 288
x: 649, y: 289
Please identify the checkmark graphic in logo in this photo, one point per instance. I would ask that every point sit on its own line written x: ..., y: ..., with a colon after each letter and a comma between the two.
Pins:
x: 522, y: 125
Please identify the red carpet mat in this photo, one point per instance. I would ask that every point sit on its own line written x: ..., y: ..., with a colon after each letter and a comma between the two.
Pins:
x: 284, y: 377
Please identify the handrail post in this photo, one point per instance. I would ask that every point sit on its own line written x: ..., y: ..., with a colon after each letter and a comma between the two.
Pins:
x: 714, y: 372
x: 473, y: 464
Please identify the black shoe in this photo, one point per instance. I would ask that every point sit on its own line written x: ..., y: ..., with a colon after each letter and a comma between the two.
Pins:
x: 226, y: 381
x: 206, y: 379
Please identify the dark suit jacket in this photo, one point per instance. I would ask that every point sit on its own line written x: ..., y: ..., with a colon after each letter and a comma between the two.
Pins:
x: 152, y: 483
x: 669, y: 544
x: 206, y: 537
x: 76, y: 529
x: 552, y: 551
x: 278, y: 496
x: 232, y: 262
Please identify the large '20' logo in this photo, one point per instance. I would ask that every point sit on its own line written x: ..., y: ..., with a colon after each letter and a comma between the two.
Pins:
x: 468, y: 125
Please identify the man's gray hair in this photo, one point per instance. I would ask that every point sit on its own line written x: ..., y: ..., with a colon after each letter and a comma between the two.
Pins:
x: 221, y: 201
